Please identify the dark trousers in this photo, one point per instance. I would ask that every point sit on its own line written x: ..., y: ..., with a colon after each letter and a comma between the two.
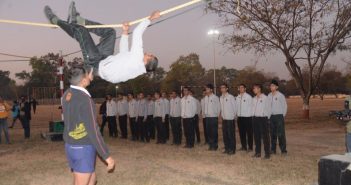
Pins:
x: 189, y: 131
x: 278, y: 132
x: 103, y: 123
x: 133, y: 128
x: 205, y: 130
x: 212, y: 131
x: 112, y: 126
x: 161, y: 130
x: 176, y: 130
x: 142, y: 127
x: 261, y: 132
x: 150, y: 127
x: 167, y: 126
x: 26, y: 127
x: 4, y: 127
x: 92, y: 53
x: 228, y: 128
x: 245, y: 132
x: 196, y: 127
x: 123, y: 125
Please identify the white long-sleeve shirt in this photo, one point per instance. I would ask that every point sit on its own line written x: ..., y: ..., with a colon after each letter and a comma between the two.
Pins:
x: 111, y: 108
x: 188, y: 107
x: 167, y: 106
x: 132, y: 108
x: 244, y: 105
x: 278, y: 103
x: 175, y: 107
x: 228, y: 107
x: 142, y: 108
x: 261, y: 106
x: 212, y: 106
x: 150, y: 108
x: 122, y: 107
x: 127, y: 64
x: 160, y: 109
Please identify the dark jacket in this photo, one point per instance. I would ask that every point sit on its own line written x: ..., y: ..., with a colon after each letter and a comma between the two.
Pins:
x: 26, y: 111
x: 81, y: 127
x: 102, y: 110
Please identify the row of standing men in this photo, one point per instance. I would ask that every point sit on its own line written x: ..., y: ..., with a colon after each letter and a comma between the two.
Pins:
x: 259, y: 118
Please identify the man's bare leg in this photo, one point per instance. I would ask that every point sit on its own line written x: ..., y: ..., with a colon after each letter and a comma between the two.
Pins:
x: 82, y: 178
x: 92, y: 179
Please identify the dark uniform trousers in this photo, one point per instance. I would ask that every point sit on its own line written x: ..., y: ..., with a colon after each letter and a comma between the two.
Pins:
x: 228, y: 128
x: 205, y: 130
x: 197, y: 129
x: 112, y: 126
x: 142, y: 129
x: 133, y: 128
x: 261, y: 132
x: 123, y: 125
x: 212, y: 131
x: 176, y: 126
x: 161, y: 130
x: 150, y: 127
x: 189, y: 131
x: 245, y: 132
x: 103, y: 123
x: 278, y: 132
x: 167, y: 126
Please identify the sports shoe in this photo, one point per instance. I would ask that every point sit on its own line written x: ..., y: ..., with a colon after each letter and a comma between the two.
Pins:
x: 50, y: 15
x: 72, y: 13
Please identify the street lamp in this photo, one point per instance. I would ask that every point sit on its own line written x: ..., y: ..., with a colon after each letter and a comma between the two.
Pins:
x: 213, y: 34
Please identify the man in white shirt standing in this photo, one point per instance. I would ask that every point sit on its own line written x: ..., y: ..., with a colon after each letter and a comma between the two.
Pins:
x: 228, y: 113
x: 122, y: 111
x: 212, y: 110
x: 159, y: 119
x: 111, y: 111
x: 175, y: 118
x: 261, y: 112
x: 150, y: 117
x: 196, y: 118
x: 279, y: 108
x: 142, y: 115
x: 204, y: 116
x: 188, y: 111
x: 244, y: 112
x: 132, y: 114
x: 167, y: 110
x: 125, y: 65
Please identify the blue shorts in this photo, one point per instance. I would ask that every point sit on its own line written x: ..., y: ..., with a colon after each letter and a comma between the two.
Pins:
x: 81, y: 158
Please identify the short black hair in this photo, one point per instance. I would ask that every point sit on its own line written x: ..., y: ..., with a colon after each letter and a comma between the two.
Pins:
x: 77, y: 73
x: 187, y: 88
x: 210, y: 86
x: 157, y: 92
x: 225, y: 85
x: 258, y: 85
x: 152, y: 64
x: 243, y: 85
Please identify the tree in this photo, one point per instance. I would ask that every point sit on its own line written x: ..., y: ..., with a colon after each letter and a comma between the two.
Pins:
x: 250, y: 76
x: 187, y: 70
x: 223, y: 75
x: 304, y: 31
x: 8, y: 90
x: 332, y: 82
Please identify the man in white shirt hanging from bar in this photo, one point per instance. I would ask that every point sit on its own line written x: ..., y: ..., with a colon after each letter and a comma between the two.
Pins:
x: 125, y: 65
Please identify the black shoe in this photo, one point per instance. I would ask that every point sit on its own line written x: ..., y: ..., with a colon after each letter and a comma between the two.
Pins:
x: 242, y: 149
x: 267, y: 156
x: 72, y: 13
x: 50, y: 15
x: 285, y: 153
x: 231, y: 153
x: 249, y: 150
x: 273, y: 152
x: 256, y: 156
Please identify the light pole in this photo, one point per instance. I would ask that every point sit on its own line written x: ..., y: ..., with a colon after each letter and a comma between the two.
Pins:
x: 213, y: 34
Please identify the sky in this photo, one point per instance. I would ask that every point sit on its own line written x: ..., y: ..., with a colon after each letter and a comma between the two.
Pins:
x: 168, y: 40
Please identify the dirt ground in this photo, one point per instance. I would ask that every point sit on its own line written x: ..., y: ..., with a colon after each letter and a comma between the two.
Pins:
x: 41, y: 162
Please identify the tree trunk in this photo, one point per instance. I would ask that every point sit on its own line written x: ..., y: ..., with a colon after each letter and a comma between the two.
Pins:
x: 306, y: 108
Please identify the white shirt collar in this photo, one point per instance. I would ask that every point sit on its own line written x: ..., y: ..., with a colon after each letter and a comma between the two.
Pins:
x: 81, y: 89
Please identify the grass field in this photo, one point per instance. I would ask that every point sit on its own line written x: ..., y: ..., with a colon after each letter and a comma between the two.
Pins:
x: 40, y: 162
